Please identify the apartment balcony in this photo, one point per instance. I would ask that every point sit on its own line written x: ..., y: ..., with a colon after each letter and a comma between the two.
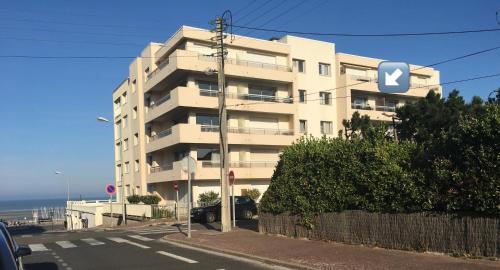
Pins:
x: 209, y: 170
x: 370, y: 84
x: 182, y: 60
x: 194, y: 134
x: 196, y: 98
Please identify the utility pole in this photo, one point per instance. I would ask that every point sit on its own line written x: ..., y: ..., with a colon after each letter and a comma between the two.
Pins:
x: 223, y: 145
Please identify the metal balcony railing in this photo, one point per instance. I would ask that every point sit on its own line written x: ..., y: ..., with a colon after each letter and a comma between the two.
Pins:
x: 157, y: 169
x: 239, y: 62
x: 215, y: 93
x: 258, y: 131
x: 241, y: 164
x: 160, y: 101
x: 161, y: 134
x: 361, y: 106
x: 385, y: 108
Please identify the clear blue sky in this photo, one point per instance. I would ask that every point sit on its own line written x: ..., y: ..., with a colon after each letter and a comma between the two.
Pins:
x: 49, y: 107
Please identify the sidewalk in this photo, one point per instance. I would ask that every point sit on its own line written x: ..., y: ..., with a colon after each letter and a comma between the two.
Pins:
x: 322, y: 255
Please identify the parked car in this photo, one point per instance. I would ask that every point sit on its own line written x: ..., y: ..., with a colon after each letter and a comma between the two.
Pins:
x: 245, y: 208
x: 12, y: 251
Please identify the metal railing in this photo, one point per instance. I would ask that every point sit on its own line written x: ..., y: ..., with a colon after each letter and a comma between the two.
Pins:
x: 361, y: 106
x: 157, y: 169
x: 385, y: 108
x: 241, y: 164
x: 239, y: 62
x: 160, y: 101
x: 215, y: 93
x: 161, y: 134
x: 258, y: 131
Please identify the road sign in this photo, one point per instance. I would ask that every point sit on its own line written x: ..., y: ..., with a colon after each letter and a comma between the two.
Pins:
x: 231, y: 178
x: 188, y: 164
x: 110, y: 189
x: 176, y: 186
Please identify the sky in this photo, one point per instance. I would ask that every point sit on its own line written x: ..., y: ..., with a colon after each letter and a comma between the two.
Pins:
x: 49, y: 106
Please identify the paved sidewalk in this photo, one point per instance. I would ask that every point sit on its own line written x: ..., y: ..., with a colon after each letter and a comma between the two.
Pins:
x: 323, y: 255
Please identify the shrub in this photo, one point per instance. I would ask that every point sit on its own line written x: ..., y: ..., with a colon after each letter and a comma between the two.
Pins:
x: 150, y: 199
x: 208, y: 197
x: 252, y: 193
x: 134, y: 199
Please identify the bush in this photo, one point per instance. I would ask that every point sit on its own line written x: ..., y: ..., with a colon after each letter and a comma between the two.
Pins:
x: 134, y: 199
x: 208, y: 197
x: 150, y: 199
x: 252, y: 193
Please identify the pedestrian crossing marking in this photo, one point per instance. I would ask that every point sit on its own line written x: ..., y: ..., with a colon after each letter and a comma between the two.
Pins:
x: 38, y: 247
x: 121, y: 240
x: 92, y: 242
x: 142, y: 238
x: 66, y: 244
x: 180, y: 258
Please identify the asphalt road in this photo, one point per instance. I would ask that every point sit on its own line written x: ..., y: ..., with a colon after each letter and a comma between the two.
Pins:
x: 129, y: 248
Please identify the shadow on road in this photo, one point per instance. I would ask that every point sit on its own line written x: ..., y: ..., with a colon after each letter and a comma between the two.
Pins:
x: 252, y: 225
x: 41, y: 266
x: 27, y: 229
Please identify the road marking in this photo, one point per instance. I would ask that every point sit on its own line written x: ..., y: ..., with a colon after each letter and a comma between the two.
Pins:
x: 176, y: 257
x: 66, y: 244
x: 26, y: 235
x: 121, y: 240
x: 38, y: 247
x: 92, y: 241
x: 142, y: 238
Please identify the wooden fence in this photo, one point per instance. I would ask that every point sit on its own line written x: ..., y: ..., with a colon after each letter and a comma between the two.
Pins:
x: 439, y: 232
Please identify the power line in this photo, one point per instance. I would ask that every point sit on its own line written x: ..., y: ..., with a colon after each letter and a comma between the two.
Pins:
x: 269, y: 10
x: 244, y: 7
x: 253, y: 10
x: 369, y: 35
x: 73, y: 42
x: 84, y: 57
x: 72, y: 32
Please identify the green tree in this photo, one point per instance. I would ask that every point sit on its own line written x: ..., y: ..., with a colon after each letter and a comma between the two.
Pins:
x: 208, y: 197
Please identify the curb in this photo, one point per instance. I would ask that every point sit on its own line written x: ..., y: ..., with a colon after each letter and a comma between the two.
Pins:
x: 265, y: 260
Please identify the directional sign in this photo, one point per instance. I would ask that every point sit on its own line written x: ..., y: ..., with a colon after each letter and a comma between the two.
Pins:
x: 393, y: 77
x: 176, y: 186
x: 231, y: 178
x: 110, y: 189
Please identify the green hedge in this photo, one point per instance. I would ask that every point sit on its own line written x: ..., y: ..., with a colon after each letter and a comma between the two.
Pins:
x: 146, y: 199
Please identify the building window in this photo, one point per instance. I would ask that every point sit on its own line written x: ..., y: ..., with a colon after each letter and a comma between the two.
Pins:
x: 208, y: 88
x: 326, y: 127
x: 134, y: 82
x: 124, y: 98
x: 136, y: 139
x: 302, y: 96
x: 207, y: 154
x: 299, y: 65
x: 125, y: 145
x: 360, y: 103
x: 259, y: 92
x: 303, y: 126
x: 180, y: 155
x: 125, y: 169
x: 134, y: 112
x: 136, y: 165
x: 117, y: 103
x: 207, y: 120
x: 324, y: 69
x: 125, y: 121
x: 324, y: 98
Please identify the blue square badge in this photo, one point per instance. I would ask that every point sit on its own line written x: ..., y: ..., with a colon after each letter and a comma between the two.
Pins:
x: 393, y: 77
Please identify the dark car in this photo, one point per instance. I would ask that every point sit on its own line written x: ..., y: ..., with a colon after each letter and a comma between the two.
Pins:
x: 16, y: 251
x: 245, y: 208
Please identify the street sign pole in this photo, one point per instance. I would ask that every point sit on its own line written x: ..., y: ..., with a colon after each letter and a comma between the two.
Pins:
x: 231, y: 182
x: 189, y: 198
x: 177, y: 204
x: 111, y: 208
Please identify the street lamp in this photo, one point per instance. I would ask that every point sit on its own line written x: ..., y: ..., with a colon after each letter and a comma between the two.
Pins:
x: 67, y: 194
x: 122, y: 185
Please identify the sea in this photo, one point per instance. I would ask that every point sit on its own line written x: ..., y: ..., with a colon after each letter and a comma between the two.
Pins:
x: 23, y: 209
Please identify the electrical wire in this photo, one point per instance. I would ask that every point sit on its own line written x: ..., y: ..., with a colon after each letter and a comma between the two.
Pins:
x: 253, y: 11
x: 369, y: 35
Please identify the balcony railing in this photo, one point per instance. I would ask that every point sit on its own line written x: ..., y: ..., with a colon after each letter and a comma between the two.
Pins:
x: 257, y: 131
x: 385, y: 108
x: 239, y: 62
x: 215, y: 93
x: 241, y: 164
x: 160, y: 101
x: 363, y: 78
x: 361, y: 106
x: 160, y: 67
x: 157, y: 169
x: 161, y: 134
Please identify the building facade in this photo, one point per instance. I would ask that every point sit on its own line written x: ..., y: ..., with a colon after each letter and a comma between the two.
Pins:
x: 277, y: 91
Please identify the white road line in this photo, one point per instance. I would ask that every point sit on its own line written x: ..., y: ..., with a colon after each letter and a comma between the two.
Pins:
x: 38, y: 247
x: 66, y: 244
x: 92, y: 242
x: 176, y: 257
x: 121, y: 240
x: 142, y: 238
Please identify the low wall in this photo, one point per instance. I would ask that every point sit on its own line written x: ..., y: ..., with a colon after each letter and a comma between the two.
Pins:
x: 438, y: 232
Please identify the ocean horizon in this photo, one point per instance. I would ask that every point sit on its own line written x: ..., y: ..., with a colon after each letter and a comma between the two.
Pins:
x: 7, y: 206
